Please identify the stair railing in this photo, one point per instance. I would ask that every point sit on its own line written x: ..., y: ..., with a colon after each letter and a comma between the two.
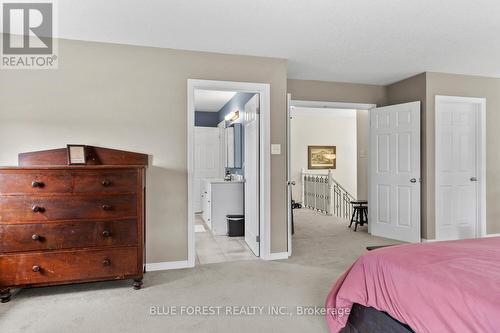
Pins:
x: 322, y: 193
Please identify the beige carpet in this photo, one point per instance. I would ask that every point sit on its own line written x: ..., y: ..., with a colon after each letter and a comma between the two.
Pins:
x: 323, y: 247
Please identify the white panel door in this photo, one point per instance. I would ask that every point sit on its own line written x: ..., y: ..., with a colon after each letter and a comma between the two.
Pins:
x: 206, y: 160
x: 394, y: 175
x: 252, y: 179
x: 457, y: 204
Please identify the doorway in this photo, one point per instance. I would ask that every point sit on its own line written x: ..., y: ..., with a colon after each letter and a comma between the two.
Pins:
x: 322, y: 194
x: 460, y: 167
x: 229, y: 170
x: 391, y: 163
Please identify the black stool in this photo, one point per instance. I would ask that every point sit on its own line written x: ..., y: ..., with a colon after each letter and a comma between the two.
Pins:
x: 359, y: 214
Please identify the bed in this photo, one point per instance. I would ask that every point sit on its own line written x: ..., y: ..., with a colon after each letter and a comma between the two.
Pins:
x: 451, y: 286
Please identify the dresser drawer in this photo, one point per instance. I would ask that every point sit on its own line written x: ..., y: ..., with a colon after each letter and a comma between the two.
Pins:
x: 65, y: 235
x: 68, y: 266
x: 35, y: 182
x: 40, y: 208
x: 106, y: 182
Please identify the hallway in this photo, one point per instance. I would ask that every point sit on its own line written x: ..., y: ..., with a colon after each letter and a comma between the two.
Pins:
x: 326, y: 241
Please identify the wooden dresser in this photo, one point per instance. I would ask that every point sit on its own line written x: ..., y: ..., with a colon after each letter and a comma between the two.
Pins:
x: 64, y: 224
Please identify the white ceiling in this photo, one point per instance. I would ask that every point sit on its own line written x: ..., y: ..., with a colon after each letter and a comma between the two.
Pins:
x: 363, y: 41
x: 211, y: 100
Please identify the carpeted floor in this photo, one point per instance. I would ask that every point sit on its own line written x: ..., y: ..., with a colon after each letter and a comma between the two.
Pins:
x: 323, y: 247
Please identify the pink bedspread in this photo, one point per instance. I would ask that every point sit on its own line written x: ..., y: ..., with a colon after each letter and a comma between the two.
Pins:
x: 440, y: 287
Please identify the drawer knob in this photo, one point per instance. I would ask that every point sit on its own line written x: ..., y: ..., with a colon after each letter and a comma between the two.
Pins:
x: 106, y: 262
x: 106, y: 233
x: 106, y: 182
x: 35, y: 268
x: 36, y: 237
x: 37, y: 209
x: 107, y: 207
x: 37, y: 184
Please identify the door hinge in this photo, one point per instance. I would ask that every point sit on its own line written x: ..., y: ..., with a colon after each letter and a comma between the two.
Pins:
x: 257, y: 239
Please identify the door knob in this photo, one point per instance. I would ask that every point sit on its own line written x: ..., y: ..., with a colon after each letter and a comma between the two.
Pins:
x: 413, y: 180
x: 473, y: 179
x: 291, y: 182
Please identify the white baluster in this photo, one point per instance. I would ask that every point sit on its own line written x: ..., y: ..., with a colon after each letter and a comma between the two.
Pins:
x: 330, y: 182
x: 303, y: 180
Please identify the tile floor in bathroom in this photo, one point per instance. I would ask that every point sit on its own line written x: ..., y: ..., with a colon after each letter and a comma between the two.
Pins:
x: 213, y: 249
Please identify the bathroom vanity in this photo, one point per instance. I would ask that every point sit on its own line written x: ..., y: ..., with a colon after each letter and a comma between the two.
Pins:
x: 221, y: 198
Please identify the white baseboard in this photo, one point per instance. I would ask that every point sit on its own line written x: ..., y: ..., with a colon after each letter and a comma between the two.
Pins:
x: 492, y: 235
x: 276, y: 256
x: 435, y: 240
x: 423, y: 240
x: 162, y: 266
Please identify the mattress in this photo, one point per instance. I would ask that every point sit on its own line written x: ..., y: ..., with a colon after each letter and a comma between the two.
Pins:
x: 451, y: 286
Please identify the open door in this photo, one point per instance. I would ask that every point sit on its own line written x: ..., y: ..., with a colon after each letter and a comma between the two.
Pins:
x: 252, y: 179
x: 206, y: 157
x: 394, y: 172
x: 290, y: 181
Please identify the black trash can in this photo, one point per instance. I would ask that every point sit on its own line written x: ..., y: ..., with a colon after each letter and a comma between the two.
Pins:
x: 235, y: 225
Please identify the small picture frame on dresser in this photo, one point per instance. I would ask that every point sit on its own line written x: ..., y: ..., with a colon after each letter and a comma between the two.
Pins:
x: 77, y: 155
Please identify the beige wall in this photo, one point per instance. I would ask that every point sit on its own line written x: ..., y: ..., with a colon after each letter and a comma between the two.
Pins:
x: 348, y: 93
x: 468, y: 86
x: 326, y: 129
x: 425, y: 87
x: 411, y: 90
x: 135, y: 98
x: 336, y: 92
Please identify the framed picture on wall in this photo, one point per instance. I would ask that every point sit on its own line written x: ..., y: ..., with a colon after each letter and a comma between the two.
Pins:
x: 321, y: 157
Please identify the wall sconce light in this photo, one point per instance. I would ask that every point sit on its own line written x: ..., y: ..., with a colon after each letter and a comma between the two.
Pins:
x: 232, y: 116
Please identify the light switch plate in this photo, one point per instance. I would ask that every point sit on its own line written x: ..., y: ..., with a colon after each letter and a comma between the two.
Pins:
x: 275, y: 149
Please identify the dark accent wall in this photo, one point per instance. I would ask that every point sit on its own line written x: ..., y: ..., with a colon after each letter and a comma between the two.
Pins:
x: 236, y: 103
x: 206, y: 119
x: 212, y: 119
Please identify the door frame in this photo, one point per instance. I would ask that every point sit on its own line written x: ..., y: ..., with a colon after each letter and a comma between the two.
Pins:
x: 481, y: 160
x: 264, y: 90
x: 289, y: 212
x: 291, y: 103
